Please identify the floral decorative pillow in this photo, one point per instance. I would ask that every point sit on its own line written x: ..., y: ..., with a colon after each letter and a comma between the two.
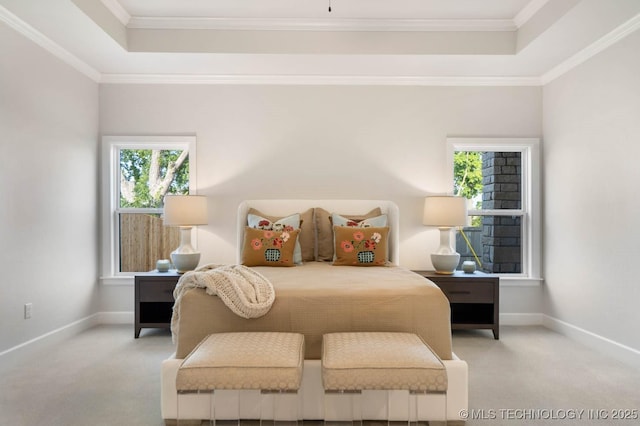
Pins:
x: 324, y: 229
x: 307, y: 235
x: 289, y: 222
x: 356, y: 246
x: 264, y: 247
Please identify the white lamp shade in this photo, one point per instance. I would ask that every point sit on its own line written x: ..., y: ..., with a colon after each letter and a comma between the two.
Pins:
x: 185, y: 210
x: 445, y: 211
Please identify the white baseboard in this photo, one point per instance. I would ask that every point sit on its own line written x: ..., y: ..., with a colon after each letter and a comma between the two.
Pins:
x: 64, y: 332
x: 116, y: 318
x: 617, y: 350
x: 602, y: 344
x: 610, y: 347
x: 53, y: 336
x: 520, y: 319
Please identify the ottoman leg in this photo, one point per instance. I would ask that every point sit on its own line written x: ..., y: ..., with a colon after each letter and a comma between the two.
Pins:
x: 212, y: 412
x: 414, y: 414
x: 343, y: 407
x: 280, y: 405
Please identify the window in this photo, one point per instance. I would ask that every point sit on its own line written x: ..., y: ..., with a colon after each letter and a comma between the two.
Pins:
x: 500, y: 179
x: 137, y: 173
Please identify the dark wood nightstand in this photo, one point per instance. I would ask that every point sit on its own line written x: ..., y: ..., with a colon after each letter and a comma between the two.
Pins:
x: 154, y: 299
x: 474, y: 299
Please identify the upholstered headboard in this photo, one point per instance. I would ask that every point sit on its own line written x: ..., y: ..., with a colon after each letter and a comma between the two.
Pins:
x: 346, y: 207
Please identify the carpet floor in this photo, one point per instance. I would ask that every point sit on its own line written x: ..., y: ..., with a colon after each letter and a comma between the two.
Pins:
x: 531, y: 376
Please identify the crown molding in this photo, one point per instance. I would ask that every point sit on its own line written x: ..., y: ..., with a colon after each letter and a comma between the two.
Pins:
x: 353, y: 80
x: 37, y: 37
x: 301, y: 24
x: 529, y: 12
x: 117, y: 10
x: 49, y: 45
x: 593, y: 49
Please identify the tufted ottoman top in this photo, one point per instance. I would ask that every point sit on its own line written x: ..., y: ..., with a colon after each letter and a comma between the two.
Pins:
x: 385, y: 360
x: 251, y: 360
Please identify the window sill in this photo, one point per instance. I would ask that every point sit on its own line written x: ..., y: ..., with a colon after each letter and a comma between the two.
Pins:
x: 117, y: 280
x: 506, y: 281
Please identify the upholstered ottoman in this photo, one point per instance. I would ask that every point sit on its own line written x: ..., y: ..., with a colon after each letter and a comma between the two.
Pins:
x: 353, y: 362
x: 265, y: 361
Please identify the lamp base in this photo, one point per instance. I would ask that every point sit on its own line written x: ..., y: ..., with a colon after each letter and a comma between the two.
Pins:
x: 184, y: 262
x: 445, y: 263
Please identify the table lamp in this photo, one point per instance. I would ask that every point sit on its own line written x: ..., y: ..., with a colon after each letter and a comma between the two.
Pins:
x: 185, y: 211
x: 445, y: 212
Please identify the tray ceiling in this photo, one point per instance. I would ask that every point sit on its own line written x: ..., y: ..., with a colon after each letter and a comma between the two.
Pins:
x: 438, y: 42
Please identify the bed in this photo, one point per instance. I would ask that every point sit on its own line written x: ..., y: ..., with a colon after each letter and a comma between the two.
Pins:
x: 314, y: 297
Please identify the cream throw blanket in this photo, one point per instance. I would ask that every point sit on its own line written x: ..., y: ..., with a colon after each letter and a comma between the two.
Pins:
x: 246, y: 292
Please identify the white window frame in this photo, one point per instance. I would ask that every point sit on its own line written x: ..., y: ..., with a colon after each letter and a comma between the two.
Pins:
x: 110, y: 179
x: 530, y: 212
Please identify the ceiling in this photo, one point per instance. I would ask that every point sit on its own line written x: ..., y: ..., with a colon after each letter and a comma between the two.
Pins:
x: 419, y: 42
x: 360, y: 9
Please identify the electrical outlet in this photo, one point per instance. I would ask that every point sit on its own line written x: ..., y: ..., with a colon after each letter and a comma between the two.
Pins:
x: 27, y: 310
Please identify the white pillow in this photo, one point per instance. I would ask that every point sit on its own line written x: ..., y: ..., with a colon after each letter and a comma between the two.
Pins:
x: 372, y: 222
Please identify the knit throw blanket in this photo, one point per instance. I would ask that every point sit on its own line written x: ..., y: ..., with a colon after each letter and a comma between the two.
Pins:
x: 246, y: 292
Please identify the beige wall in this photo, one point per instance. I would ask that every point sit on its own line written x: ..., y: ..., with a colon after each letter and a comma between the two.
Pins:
x: 321, y: 142
x: 592, y: 206
x: 48, y: 191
